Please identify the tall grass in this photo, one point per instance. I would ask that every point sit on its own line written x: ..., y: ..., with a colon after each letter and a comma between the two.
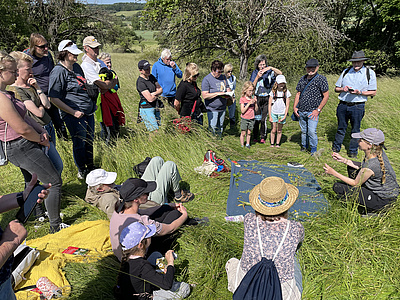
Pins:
x: 344, y: 256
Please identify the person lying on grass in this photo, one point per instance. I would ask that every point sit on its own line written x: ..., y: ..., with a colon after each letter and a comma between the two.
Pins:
x: 103, y: 193
x: 167, y: 218
x: 268, y: 233
x: 372, y: 181
x: 138, y: 278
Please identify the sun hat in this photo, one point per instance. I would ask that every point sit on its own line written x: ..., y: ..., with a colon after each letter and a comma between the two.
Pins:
x: 73, y: 49
x: 91, y: 42
x: 134, y: 233
x: 132, y: 188
x: 100, y: 176
x: 311, y: 63
x: 358, y: 56
x: 280, y: 79
x: 273, y: 196
x: 143, y: 64
x: 371, y: 135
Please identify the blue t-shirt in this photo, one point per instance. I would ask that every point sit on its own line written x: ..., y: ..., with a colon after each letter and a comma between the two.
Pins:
x: 311, y: 98
x: 214, y: 85
x: 64, y: 84
x: 41, y: 69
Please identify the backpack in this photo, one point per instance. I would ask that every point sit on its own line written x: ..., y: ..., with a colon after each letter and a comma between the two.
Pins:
x: 141, y: 167
x: 262, y: 280
x: 24, y: 258
x: 276, y: 97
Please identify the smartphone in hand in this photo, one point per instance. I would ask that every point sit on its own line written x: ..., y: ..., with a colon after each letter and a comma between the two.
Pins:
x: 29, y: 205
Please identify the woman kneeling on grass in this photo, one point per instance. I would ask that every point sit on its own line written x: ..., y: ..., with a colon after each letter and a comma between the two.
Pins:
x: 264, y: 231
x: 138, y: 278
x: 375, y: 175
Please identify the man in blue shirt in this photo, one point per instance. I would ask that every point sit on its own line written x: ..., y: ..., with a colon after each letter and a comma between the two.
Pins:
x: 355, y: 84
x: 165, y: 70
x: 312, y: 95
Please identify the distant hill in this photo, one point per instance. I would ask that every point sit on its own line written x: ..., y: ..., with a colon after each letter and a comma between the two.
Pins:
x: 116, y: 7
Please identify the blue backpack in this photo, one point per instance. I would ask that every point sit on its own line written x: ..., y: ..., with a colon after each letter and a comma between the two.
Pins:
x: 261, y: 282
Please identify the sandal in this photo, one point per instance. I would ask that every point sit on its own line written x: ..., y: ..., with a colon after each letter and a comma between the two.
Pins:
x: 185, y: 197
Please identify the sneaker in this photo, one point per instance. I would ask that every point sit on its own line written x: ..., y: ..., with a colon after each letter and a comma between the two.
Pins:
x: 197, y: 221
x: 335, y: 150
x: 54, y: 229
x: 272, y: 146
x: 81, y: 175
x: 303, y: 149
x: 248, y: 146
x: 262, y: 141
x: 185, y: 197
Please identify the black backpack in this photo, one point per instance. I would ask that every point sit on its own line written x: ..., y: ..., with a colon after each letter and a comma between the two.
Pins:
x: 261, y: 282
x: 141, y: 167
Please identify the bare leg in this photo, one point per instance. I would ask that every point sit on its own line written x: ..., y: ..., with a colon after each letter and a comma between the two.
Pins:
x: 248, y: 136
x: 273, y: 132
x: 242, y: 137
x: 279, y: 134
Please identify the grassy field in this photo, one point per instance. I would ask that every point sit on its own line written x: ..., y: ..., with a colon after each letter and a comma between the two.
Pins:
x: 344, y: 256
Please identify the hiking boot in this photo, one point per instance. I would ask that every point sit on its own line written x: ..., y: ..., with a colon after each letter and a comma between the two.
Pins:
x: 185, y: 197
x: 57, y: 228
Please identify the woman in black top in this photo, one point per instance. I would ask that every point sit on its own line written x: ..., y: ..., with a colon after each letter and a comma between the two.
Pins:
x: 188, y: 101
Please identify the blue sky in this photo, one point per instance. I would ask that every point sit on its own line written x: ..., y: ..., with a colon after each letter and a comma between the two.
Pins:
x: 109, y: 1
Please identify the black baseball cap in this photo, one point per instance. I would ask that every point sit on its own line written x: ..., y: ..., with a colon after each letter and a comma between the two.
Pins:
x: 311, y: 63
x: 143, y: 64
x: 133, y: 188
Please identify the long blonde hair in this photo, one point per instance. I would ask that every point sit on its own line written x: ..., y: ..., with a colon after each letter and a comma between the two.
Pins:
x: 20, y: 57
x: 246, y: 86
x: 377, y: 149
x: 275, y: 88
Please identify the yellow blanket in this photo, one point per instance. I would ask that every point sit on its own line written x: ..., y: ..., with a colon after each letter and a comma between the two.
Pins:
x: 92, y: 235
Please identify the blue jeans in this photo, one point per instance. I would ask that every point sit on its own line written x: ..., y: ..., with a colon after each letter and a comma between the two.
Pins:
x: 82, y: 135
x: 232, y: 110
x: 216, y: 121
x: 151, y: 118
x: 344, y: 114
x: 53, y: 153
x: 308, y: 131
x: 6, y: 290
x: 29, y: 156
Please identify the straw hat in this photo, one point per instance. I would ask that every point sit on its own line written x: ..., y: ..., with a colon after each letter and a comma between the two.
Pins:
x: 273, y: 196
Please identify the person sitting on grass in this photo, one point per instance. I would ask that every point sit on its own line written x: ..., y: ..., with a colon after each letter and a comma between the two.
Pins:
x: 248, y: 104
x: 373, y: 181
x: 268, y: 233
x: 138, y: 276
x: 133, y: 193
x: 278, y: 108
x: 103, y: 193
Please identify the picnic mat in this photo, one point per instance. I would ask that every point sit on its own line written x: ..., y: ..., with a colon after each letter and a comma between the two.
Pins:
x: 250, y: 173
x: 92, y: 235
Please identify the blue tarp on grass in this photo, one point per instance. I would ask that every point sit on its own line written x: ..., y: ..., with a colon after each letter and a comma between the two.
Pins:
x: 250, y: 173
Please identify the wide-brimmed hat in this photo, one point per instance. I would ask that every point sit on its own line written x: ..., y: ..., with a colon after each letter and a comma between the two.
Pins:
x: 371, y: 135
x: 134, y: 233
x: 358, y: 56
x: 132, y: 188
x: 72, y: 48
x: 273, y: 196
x: 100, y: 176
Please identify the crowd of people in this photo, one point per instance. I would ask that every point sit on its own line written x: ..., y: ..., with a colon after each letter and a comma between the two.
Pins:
x: 41, y: 98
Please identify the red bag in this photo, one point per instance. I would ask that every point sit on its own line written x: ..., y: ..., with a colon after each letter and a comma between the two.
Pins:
x: 184, y: 124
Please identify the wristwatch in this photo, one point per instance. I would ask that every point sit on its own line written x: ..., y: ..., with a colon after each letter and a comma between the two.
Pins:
x: 318, y: 110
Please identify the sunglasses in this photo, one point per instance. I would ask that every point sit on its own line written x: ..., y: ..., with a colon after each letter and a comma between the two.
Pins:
x: 229, y: 71
x: 196, y: 75
x: 42, y: 46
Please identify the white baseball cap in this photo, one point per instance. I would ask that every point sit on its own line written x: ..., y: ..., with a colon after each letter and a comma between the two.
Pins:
x: 69, y: 46
x: 100, y: 176
x: 280, y: 79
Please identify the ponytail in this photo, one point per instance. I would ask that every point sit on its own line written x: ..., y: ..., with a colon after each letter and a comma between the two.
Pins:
x: 378, y: 150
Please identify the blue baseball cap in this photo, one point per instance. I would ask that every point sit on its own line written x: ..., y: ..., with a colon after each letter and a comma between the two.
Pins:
x: 134, y: 233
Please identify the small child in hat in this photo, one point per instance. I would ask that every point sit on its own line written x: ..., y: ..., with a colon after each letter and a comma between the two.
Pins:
x: 138, y: 278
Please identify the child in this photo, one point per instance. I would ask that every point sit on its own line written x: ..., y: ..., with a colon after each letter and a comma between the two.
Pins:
x: 248, y: 104
x: 278, y: 108
x: 137, y: 278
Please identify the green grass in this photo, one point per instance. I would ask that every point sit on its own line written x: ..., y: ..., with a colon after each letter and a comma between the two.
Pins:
x: 343, y: 255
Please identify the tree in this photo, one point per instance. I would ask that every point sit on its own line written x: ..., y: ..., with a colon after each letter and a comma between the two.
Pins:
x: 235, y: 26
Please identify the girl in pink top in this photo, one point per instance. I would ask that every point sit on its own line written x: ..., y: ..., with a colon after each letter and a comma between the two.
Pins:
x: 248, y: 104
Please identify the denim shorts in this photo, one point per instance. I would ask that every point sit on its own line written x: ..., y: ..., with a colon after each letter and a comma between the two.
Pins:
x: 277, y: 117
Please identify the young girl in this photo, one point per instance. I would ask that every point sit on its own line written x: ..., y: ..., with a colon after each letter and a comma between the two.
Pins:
x: 278, y: 108
x: 138, y: 278
x: 268, y: 233
x: 248, y: 104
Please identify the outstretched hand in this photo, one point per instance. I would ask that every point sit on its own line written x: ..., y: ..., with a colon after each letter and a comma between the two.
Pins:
x: 336, y: 156
x: 328, y: 170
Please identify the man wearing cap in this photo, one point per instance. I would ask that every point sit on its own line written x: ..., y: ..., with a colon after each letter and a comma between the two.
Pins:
x: 149, y: 90
x: 165, y: 70
x: 135, y: 192
x: 312, y: 95
x: 354, y: 86
x: 91, y: 65
x: 103, y: 193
